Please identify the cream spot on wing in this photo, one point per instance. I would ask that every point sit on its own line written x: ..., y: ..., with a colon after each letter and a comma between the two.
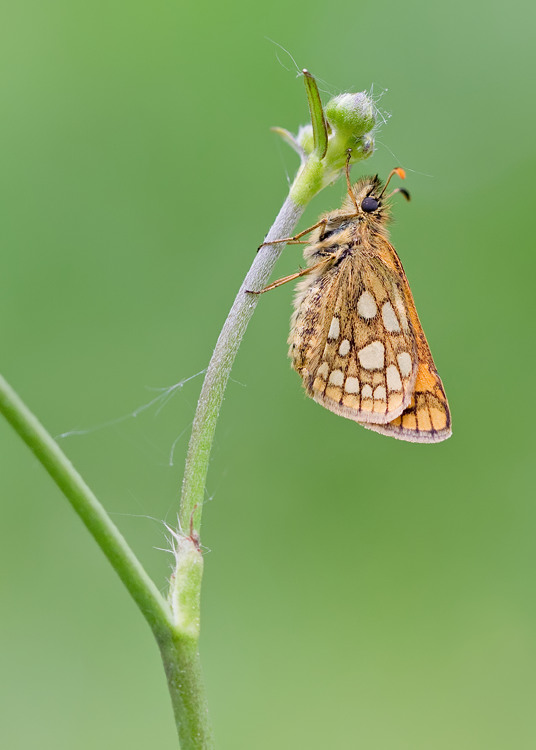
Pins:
x: 404, y: 362
x: 366, y: 391
x: 372, y: 356
x: 344, y: 348
x: 334, y: 329
x: 336, y: 377
x: 323, y: 370
x: 379, y: 393
x: 351, y: 385
x: 390, y: 320
x: 393, y: 379
x: 366, y: 306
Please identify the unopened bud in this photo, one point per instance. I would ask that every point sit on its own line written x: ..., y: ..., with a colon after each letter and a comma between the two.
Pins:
x: 353, y: 113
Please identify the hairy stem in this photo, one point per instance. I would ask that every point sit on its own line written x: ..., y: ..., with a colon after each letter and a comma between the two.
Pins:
x: 323, y: 152
x: 180, y: 656
x: 176, y: 631
x: 211, y: 398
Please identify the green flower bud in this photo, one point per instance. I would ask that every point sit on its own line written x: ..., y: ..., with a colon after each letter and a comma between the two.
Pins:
x: 352, y: 113
x: 346, y: 125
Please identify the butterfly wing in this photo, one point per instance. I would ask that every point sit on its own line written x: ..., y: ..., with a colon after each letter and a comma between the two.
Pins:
x: 352, y: 341
x: 358, y: 344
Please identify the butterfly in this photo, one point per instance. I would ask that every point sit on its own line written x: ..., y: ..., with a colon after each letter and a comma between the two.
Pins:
x: 355, y: 337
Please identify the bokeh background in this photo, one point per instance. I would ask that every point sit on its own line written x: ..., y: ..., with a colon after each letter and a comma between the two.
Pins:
x: 359, y: 592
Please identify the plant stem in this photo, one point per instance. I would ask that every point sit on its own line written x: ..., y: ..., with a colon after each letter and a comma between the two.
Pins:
x: 323, y: 152
x: 185, y: 682
x: 176, y: 638
x: 323, y: 158
x: 212, y: 392
x: 127, y: 566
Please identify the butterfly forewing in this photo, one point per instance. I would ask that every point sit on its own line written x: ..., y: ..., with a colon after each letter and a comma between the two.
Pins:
x: 357, y: 354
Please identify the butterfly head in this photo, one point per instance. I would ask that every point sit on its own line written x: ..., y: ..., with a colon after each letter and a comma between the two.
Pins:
x: 369, y: 197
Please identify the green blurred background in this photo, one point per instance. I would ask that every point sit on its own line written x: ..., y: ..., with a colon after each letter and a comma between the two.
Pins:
x: 359, y: 592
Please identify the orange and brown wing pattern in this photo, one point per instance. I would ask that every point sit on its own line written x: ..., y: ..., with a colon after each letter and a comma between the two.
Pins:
x: 357, y: 352
x: 427, y: 418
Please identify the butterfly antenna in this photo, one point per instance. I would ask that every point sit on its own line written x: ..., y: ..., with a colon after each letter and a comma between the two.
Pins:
x: 399, y: 190
x: 397, y: 170
x: 349, y: 184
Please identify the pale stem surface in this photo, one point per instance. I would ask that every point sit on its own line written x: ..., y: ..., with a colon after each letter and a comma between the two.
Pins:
x: 182, y: 664
x: 212, y: 393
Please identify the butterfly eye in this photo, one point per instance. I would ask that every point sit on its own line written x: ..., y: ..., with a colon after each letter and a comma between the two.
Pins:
x: 369, y: 204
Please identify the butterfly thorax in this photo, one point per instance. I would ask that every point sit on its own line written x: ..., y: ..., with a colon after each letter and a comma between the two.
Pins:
x: 352, y: 229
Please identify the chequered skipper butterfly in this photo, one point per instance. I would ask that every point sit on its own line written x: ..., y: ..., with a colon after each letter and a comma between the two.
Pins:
x: 355, y: 338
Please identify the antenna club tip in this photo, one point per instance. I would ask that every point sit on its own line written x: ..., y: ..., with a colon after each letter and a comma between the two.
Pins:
x: 400, y: 172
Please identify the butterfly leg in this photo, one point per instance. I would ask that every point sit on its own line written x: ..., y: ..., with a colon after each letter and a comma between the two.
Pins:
x: 296, y: 239
x: 285, y: 279
x: 348, y: 183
